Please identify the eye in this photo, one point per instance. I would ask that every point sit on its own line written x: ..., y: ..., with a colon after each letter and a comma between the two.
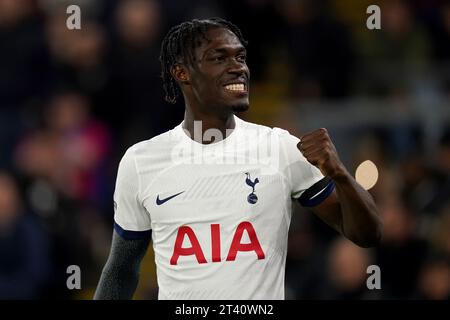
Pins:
x: 241, y: 58
x: 218, y: 59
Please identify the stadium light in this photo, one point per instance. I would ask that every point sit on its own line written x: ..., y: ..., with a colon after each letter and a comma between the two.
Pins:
x: 367, y: 174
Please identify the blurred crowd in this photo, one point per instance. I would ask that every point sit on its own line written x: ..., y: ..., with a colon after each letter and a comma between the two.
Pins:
x: 72, y: 101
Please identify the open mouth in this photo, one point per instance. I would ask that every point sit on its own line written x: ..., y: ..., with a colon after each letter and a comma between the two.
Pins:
x: 236, y: 87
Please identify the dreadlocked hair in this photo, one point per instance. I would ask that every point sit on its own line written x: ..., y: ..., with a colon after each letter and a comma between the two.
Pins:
x: 179, y: 47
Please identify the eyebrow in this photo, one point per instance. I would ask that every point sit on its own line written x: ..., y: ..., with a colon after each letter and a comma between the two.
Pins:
x: 225, y: 50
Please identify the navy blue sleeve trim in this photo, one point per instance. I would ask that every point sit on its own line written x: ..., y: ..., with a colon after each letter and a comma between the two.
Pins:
x: 317, y: 193
x: 132, y: 235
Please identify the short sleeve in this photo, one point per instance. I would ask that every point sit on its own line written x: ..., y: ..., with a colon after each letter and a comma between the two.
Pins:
x: 131, y: 219
x: 307, y: 183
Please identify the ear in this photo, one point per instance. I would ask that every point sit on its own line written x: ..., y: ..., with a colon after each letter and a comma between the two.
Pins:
x: 180, y: 74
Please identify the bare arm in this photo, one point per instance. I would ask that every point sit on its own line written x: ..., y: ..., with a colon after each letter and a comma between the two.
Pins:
x: 120, y: 275
x: 349, y: 209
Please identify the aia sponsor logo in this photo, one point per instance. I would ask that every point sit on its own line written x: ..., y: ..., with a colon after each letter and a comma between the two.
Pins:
x: 195, y: 249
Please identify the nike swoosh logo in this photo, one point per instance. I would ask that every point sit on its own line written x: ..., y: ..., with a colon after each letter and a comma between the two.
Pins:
x: 161, y: 201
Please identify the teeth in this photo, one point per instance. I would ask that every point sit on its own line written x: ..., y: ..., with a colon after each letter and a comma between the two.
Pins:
x: 235, y: 87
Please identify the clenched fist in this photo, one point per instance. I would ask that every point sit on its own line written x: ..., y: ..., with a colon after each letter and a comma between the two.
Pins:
x: 319, y: 150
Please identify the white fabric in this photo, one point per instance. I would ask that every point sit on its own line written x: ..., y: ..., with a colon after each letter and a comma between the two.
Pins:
x: 212, y: 179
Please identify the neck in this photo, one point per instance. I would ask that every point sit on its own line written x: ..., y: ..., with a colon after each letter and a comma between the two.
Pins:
x: 218, y: 126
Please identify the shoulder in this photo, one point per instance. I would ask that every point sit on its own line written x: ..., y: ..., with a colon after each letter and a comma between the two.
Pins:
x: 251, y: 126
x: 155, y: 147
x: 147, y: 158
x: 285, y: 136
x: 278, y: 137
x: 157, y: 142
x: 262, y: 129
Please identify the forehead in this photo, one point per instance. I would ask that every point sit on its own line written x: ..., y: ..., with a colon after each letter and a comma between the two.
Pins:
x: 219, y: 38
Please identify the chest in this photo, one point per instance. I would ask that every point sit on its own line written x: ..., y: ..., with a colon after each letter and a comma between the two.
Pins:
x: 189, y: 194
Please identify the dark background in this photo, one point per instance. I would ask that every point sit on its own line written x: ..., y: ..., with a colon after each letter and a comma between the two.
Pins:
x: 72, y: 101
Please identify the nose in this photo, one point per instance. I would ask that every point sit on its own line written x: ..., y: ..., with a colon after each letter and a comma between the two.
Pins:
x: 237, y: 67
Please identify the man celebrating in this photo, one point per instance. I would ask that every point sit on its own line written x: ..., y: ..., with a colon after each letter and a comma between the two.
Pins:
x: 214, y: 193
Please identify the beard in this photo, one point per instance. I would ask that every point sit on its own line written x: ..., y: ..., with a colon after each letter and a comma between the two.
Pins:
x: 242, y: 107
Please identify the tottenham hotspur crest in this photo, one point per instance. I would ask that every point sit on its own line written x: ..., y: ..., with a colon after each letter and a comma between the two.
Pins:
x: 251, y: 198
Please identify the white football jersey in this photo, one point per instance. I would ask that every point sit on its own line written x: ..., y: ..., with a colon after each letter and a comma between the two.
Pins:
x: 219, y: 213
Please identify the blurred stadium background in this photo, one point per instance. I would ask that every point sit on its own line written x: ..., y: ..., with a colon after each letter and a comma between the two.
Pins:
x: 71, y: 102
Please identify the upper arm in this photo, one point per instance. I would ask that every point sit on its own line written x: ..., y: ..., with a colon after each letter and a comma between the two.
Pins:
x: 329, y: 211
x: 127, y: 251
x: 131, y: 219
x: 308, y: 185
x: 121, y: 272
x: 299, y: 173
x: 131, y: 235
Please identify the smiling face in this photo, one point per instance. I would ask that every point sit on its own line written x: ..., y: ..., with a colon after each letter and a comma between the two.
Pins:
x: 217, y: 82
